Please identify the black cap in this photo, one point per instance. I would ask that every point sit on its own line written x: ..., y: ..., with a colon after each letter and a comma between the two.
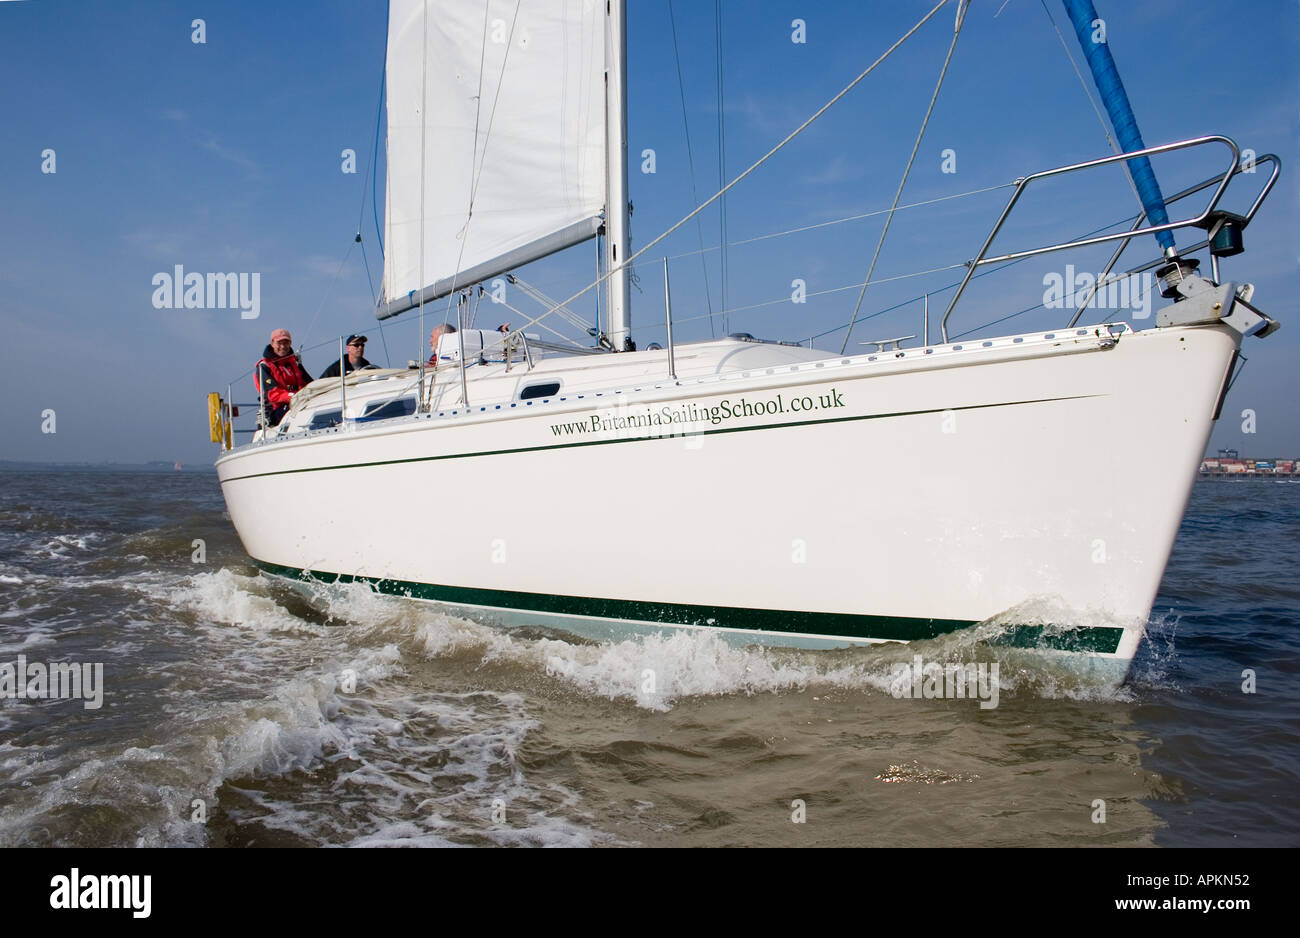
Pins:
x: 356, y: 340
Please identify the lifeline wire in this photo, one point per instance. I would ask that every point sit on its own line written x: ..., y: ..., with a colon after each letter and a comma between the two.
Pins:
x: 763, y: 159
x: 961, y: 17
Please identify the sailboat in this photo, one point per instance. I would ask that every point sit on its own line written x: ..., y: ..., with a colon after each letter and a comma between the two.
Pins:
x: 501, y: 153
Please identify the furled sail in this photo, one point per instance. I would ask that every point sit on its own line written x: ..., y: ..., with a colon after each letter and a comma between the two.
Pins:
x: 514, y: 139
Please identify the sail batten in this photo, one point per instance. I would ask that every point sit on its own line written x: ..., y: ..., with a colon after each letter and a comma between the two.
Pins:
x: 514, y: 139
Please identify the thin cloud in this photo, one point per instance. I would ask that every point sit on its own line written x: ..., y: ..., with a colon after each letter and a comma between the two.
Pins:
x: 321, y: 266
x: 838, y: 170
x: 232, y: 156
x: 247, y: 258
x: 761, y: 118
x: 153, y: 243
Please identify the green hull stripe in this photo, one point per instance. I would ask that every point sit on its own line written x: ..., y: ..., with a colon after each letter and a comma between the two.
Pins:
x: 643, y: 439
x: 889, y: 628
x: 1094, y: 639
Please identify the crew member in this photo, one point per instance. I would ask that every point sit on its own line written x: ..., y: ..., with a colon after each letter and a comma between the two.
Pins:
x: 356, y: 349
x: 279, y: 376
x: 434, y: 337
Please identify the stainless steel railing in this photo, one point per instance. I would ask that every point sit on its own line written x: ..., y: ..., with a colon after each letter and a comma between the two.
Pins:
x: 1242, y: 220
x: 1207, y: 218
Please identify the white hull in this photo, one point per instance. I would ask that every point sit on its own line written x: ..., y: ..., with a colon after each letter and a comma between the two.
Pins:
x: 933, y: 490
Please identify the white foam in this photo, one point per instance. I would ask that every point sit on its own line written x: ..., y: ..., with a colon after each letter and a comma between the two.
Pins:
x: 61, y: 545
x: 402, y: 834
x: 33, y: 639
x: 698, y: 663
x: 255, y: 691
x: 656, y: 670
x: 394, y: 762
x: 228, y: 597
x: 436, y: 757
x: 651, y: 671
x: 424, y: 770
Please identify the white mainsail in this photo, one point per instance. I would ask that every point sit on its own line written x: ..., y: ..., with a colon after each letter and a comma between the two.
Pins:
x: 514, y: 125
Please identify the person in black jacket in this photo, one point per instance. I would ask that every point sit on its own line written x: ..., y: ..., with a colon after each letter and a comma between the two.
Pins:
x: 356, y: 359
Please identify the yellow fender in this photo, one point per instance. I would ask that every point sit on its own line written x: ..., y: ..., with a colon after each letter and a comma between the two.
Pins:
x: 214, y: 417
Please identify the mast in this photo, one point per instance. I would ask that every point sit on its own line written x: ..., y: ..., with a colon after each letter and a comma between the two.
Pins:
x: 617, y: 216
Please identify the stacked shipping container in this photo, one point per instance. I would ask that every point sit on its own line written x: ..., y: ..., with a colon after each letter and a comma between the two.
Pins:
x: 1249, y: 467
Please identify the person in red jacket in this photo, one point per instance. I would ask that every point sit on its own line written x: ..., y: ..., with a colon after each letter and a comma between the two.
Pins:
x: 279, y: 375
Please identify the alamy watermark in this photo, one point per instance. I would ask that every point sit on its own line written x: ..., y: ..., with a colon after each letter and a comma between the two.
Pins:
x: 948, y: 681
x: 24, y: 680
x: 179, y: 290
x: 87, y: 891
x: 1131, y: 293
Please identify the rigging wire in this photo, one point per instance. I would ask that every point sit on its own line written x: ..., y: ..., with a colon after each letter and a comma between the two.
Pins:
x: 990, y: 271
x: 600, y: 255
x: 560, y: 335
x: 1105, y: 128
x: 361, y: 210
x: 722, y: 192
x: 370, y: 282
x: 761, y: 160
x: 956, y: 33
x: 914, y: 299
x: 1028, y: 309
x: 373, y: 158
x: 847, y: 218
x: 372, y: 170
x: 374, y: 161
x: 851, y: 286
x: 387, y: 357
x: 330, y: 289
x: 785, y: 299
x: 564, y: 313
x: 690, y: 162
x: 473, y: 315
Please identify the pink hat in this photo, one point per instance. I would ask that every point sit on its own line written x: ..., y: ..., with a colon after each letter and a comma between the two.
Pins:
x: 280, y: 334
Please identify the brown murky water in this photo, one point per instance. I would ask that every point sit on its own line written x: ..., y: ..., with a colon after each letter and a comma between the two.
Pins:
x: 238, y: 710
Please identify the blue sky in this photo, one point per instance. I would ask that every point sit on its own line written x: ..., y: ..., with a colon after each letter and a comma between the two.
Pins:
x: 226, y: 156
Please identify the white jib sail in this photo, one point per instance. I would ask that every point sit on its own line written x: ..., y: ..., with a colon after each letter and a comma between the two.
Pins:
x: 515, y: 122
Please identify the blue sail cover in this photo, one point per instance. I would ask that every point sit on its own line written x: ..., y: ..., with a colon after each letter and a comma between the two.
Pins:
x: 1082, y: 14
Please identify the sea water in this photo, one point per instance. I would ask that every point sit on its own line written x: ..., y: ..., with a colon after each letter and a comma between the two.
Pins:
x: 240, y: 710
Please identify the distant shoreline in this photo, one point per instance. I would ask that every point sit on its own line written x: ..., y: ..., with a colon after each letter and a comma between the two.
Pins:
x: 1229, y: 465
x: 1233, y: 476
x: 161, y: 466
x: 11, y: 465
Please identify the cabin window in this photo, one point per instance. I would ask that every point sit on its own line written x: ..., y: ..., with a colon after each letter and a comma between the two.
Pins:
x: 533, y: 391
x: 385, y: 410
x: 324, y: 419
